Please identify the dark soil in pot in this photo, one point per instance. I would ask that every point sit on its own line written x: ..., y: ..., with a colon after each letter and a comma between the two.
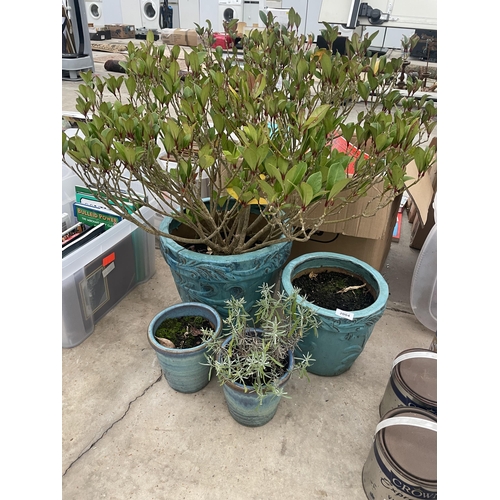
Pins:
x: 183, y: 332
x: 186, y: 232
x: 333, y: 289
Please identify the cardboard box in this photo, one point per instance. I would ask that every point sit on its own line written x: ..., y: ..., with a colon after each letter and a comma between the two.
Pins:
x: 422, y: 195
x: 412, y: 212
x: 371, y: 225
x: 100, y: 35
x: 373, y: 252
x: 240, y: 28
x: 121, y: 30
x: 248, y: 29
x: 420, y: 231
x: 365, y: 238
x: 180, y: 36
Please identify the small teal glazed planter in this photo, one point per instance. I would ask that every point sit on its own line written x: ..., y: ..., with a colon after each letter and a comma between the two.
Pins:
x: 245, y: 407
x: 340, y: 340
x: 213, y: 279
x: 186, y: 370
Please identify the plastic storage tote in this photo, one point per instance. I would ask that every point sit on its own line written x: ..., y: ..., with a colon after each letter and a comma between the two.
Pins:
x: 98, y: 275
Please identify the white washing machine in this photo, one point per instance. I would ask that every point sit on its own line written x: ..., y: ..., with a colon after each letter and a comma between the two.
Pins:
x: 228, y: 10
x: 309, y: 14
x: 189, y: 13
x: 131, y: 12
x: 150, y: 11
x: 112, y: 10
x: 251, y: 9
x: 95, y: 13
x: 209, y: 10
x: 100, y: 12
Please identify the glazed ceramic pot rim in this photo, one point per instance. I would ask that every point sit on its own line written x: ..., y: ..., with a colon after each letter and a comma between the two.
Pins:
x: 162, y: 315
x: 177, y: 248
x: 337, y: 261
x: 249, y: 389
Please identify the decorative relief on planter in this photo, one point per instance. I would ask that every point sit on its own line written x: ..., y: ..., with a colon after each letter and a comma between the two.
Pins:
x: 213, y: 279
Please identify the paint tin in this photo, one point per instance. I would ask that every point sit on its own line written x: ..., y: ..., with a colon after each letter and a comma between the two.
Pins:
x: 402, y: 462
x: 413, y: 382
x: 434, y: 344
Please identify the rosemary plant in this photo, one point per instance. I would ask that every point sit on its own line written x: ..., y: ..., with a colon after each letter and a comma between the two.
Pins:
x: 256, y: 355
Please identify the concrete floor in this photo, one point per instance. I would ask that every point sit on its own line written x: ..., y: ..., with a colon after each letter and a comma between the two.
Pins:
x: 127, y: 434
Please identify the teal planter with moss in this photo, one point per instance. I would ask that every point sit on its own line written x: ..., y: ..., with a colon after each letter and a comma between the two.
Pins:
x: 341, y: 337
x: 185, y: 370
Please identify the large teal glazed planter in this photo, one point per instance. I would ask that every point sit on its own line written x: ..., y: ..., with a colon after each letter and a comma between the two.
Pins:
x: 340, y: 340
x: 245, y: 407
x: 186, y: 370
x: 213, y: 279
